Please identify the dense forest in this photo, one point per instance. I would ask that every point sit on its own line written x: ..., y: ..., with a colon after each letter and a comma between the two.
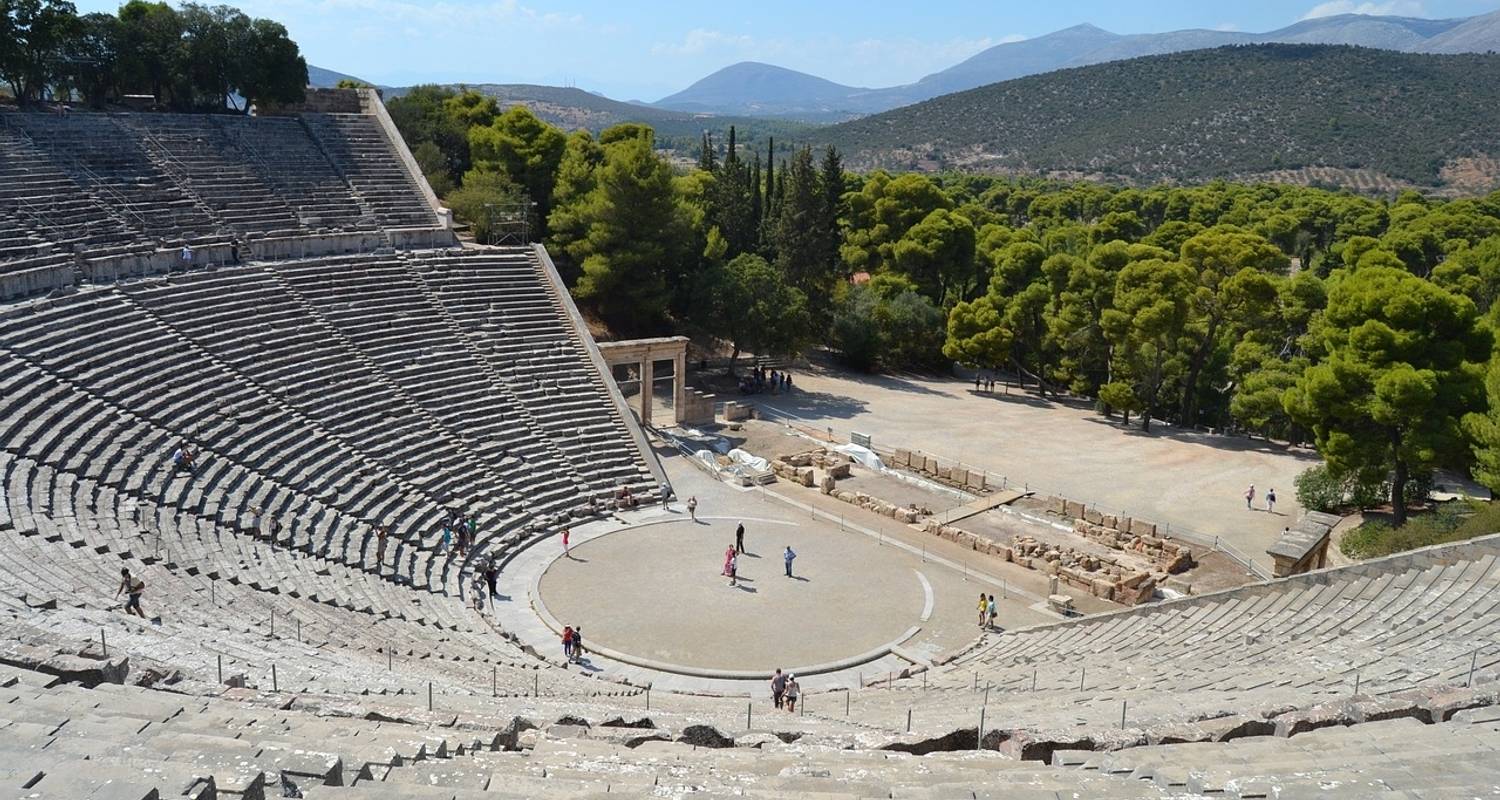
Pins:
x: 1197, y: 115
x: 1359, y: 324
x: 190, y: 58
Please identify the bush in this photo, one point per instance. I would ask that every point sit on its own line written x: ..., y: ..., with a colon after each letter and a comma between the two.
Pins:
x: 1320, y: 489
x: 1451, y: 522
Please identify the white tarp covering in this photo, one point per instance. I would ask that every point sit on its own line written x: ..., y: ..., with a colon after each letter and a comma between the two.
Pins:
x: 707, y: 457
x: 863, y: 455
x: 754, y: 462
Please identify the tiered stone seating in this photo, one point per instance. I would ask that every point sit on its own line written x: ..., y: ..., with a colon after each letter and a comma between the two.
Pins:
x: 1231, y: 662
x: 358, y: 147
x: 39, y: 201
x: 513, y: 316
x: 101, y: 156
x: 195, y: 152
x: 64, y: 741
x: 282, y: 153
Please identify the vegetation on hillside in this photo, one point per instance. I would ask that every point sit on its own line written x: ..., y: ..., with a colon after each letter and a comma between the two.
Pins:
x: 1451, y: 522
x: 1363, y: 325
x: 1202, y: 114
x: 191, y: 58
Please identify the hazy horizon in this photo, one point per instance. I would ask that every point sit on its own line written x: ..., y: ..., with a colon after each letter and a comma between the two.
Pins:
x: 632, y: 53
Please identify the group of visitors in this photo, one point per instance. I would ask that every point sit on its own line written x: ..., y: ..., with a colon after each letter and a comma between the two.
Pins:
x: 760, y: 380
x: 572, y: 642
x: 987, y: 384
x: 465, y: 529
x: 785, y: 690
x: 1270, y: 499
x: 988, y: 611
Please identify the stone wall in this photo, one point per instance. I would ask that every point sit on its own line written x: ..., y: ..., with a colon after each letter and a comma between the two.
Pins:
x: 974, y: 481
x: 159, y: 262
x: 697, y: 408
x: 326, y: 101
x: 35, y: 280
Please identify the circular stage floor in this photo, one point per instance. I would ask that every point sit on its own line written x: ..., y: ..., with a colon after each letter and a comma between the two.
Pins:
x: 656, y: 592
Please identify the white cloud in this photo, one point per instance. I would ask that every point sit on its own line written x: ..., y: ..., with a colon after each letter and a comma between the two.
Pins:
x: 699, y: 41
x: 1403, y: 8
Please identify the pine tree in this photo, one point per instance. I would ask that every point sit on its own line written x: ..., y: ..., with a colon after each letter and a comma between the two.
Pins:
x: 731, y: 206
x: 756, y: 203
x: 797, y: 232
x: 706, y: 153
x: 831, y: 184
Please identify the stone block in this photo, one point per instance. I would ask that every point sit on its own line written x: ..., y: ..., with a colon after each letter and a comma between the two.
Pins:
x: 1142, y: 528
x: 1093, y: 516
x: 1103, y: 589
x: 1236, y: 726
x: 978, y: 481
x: 1074, y: 510
x: 1441, y: 703
x: 930, y: 465
x: 1325, y: 715
x: 826, y: 484
x: 1041, y: 745
x: 839, y: 471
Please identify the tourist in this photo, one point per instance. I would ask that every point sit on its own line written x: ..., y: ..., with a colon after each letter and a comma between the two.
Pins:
x: 728, y: 561
x: 446, y: 540
x: 787, y: 557
x: 739, y: 538
x: 567, y: 641
x: 380, y: 536
x: 1249, y: 497
x: 182, y: 457
x: 994, y: 611
x: 187, y: 254
x: 1271, y: 500
x: 666, y: 499
x: 275, y: 531
x: 577, y: 645
x: 476, y: 591
x: 491, y: 575
x: 984, y: 610
x: 778, y: 687
x: 133, y: 587
x: 692, y: 505
x: 976, y: 381
x: 793, y: 691
x: 565, y: 536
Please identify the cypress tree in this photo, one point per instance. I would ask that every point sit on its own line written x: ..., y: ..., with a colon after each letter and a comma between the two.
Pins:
x: 831, y: 184
x: 756, y: 207
x: 731, y: 155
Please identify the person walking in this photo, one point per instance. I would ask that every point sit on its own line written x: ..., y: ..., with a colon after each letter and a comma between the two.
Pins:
x: 133, y: 588
x: 984, y: 610
x: 491, y: 574
x: 447, y: 539
x: 778, y: 687
x: 380, y: 536
x: 1250, y: 497
x: 788, y: 556
x: 692, y: 505
x: 728, y: 561
x: 994, y: 611
x: 566, y: 551
x: 578, y: 645
x: 734, y: 568
x: 793, y: 691
x: 567, y: 642
x: 739, y: 538
x: 1271, y: 500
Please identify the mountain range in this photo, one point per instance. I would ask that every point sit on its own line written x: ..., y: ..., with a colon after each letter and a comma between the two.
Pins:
x: 1365, y: 118
x: 756, y: 89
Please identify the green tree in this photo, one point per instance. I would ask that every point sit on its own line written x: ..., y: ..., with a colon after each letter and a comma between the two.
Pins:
x: 749, y: 303
x: 1234, y: 289
x: 481, y: 198
x: 1402, y: 363
x: 273, y: 70
x: 526, y: 149
x: 93, y: 58
x: 627, y: 232
x: 937, y: 254
x: 855, y: 330
x: 1152, y: 306
x: 216, y: 47
x: 33, y: 34
x: 800, y: 235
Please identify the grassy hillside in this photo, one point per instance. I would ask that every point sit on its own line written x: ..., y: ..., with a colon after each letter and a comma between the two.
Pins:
x: 1391, y: 119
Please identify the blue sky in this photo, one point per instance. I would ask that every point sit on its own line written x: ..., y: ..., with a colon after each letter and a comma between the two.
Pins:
x: 632, y: 50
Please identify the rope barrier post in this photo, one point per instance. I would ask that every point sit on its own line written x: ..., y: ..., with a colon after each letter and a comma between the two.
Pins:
x: 213, y: 593
x: 648, y: 698
x: 494, y: 681
x: 924, y: 680
x: 1356, y: 683
x: 979, y: 735
x: 536, y: 684
x: 389, y: 659
x: 1473, y: 662
x: 429, y: 695
x: 1081, y: 673
x: 986, y: 693
x: 221, y: 669
x: 274, y: 686
x: 1033, y: 681
x: 908, y: 720
x: 299, y: 630
x: 103, y: 643
x: 976, y: 681
x: 846, y: 703
x: 1123, y: 705
x: 748, y: 707
x: 273, y: 624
